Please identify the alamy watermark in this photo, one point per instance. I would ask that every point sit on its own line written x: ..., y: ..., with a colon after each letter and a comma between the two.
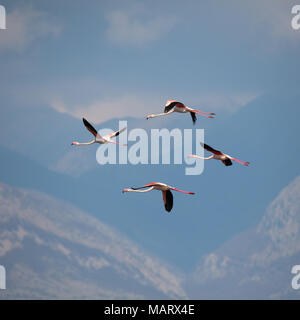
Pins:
x: 296, y: 279
x: 2, y: 17
x: 295, y: 22
x: 162, y: 146
x: 2, y: 278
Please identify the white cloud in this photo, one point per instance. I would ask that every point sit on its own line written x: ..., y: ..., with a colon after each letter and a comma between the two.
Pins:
x: 230, y: 102
x: 105, y: 109
x: 24, y: 25
x: 140, y: 106
x: 136, y: 28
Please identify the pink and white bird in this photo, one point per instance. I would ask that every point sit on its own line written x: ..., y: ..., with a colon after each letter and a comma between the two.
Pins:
x: 98, y: 138
x: 175, y: 106
x: 166, y: 192
x: 218, y: 155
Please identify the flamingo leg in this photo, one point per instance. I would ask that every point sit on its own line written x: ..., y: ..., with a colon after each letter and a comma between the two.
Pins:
x: 120, y: 144
x: 204, y: 114
x: 187, y: 192
x: 245, y: 163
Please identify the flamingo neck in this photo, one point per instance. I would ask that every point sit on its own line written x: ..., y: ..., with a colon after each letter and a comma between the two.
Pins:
x: 84, y: 143
x: 157, y: 115
x: 132, y: 190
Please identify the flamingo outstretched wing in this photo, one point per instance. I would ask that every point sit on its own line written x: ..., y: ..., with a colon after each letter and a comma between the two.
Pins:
x: 210, y: 149
x: 227, y: 162
x: 145, y: 186
x: 91, y: 129
x: 194, y: 118
x: 168, y: 200
x: 169, y: 107
x: 115, y: 134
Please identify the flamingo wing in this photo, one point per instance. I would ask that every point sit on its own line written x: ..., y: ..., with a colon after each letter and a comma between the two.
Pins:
x: 194, y: 118
x: 168, y: 200
x: 115, y: 134
x: 227, y: 162
x: 145, y: 186
x: 170, y: 106
x: 210, y: 149
x: 91, y: 129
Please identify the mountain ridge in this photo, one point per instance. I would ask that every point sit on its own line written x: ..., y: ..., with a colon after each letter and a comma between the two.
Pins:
x: 56, y: 242
x: 257, y: 263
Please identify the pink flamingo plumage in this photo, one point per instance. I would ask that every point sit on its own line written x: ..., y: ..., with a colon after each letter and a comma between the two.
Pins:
x: 176, y: 106
x: 166, y: 191
x: 98, y: 138
x: 218, y: 155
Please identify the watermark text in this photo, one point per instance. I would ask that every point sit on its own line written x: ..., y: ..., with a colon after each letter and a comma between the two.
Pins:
x: 2, y: 278
x: 296, y: 279
x: 295, y: 22
x: 160, y: 146
x: 2, y: 17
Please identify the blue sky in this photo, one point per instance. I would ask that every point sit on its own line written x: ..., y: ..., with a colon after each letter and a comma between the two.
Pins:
x: 117, y: 59
x: 122, y: 58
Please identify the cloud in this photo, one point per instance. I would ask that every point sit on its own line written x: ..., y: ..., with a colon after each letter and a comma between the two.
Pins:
x: 267, y: 23
x: 136, y: 28
x: 24, y: 25
x: 229, y: 102
x: 103, y: 110
x: 140, y: 106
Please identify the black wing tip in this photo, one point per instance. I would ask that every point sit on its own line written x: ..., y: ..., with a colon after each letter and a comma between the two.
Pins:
x: 206, y: 146
x: 194, y: 118
x: 227, y: 162
x: 90, y: 127
x: 169, y: 201
x: 168, y: 209
x: 86, y: 123
x: 120, y: 131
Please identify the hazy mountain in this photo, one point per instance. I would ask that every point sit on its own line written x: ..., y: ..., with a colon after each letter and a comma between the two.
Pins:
x: 51, y: 249
x: 257, y: 263
x: 45, y: 135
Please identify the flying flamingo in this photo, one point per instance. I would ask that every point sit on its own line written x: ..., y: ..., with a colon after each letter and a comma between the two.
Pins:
x: 166, y: 192
x: 218, y: 155
x: 98, y: 138
x: 175, y: 106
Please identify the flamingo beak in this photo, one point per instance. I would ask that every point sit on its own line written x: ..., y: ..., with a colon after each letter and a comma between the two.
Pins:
x: 125, y: 190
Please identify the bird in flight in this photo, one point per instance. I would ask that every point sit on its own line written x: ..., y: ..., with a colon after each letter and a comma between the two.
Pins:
x: 98, y: 138
x: 166, y: 192
x: 218, y: 155
x: 175, y: 106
